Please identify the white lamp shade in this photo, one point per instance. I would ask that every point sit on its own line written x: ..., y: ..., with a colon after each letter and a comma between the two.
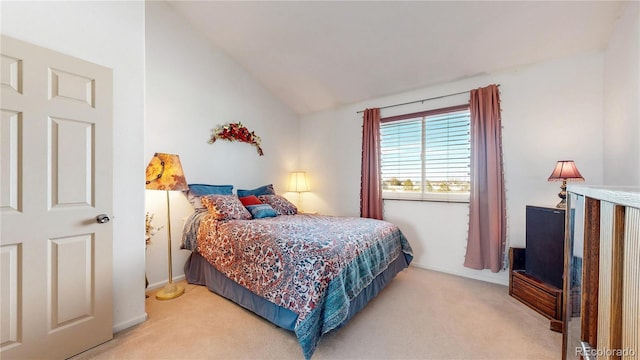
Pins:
x: 298, y: 182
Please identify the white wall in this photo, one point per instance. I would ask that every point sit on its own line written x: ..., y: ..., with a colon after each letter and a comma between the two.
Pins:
x: 550, y: 111
x: 110, y: 34
x: 622, y: 101
x: 191, y: 88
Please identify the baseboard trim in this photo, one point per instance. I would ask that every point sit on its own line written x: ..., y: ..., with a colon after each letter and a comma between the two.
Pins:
x: 129, y: 323
x: 161, y: 284
x: 497, y: 278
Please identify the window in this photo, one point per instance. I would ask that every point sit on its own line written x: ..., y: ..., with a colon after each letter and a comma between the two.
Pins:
x: 425, y: 156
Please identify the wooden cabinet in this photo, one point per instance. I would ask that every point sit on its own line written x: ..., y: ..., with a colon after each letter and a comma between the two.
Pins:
x: 602, y: 274
x: 531, y: 291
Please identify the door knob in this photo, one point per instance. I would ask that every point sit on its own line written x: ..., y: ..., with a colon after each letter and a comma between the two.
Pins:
x: 102, y: 219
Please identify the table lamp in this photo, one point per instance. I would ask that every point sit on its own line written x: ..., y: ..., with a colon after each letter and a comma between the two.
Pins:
x: 564, y: 171
x: 298, y: 183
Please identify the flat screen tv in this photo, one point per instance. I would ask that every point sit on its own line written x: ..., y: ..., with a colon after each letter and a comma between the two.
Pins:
x: 544, y: 258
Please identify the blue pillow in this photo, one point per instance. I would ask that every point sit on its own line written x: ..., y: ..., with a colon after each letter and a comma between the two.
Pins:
x: 197, y: 190
x: 262, y: 190
x: 204, y: 189
x: 261, y: 211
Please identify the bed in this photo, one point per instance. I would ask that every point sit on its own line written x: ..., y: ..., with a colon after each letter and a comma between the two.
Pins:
x: 305, y: 273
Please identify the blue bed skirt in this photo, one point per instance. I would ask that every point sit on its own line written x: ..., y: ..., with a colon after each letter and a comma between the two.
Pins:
x: 198, y: 271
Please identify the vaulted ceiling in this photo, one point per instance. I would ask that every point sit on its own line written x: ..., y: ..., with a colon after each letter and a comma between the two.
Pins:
x: 319, y: 55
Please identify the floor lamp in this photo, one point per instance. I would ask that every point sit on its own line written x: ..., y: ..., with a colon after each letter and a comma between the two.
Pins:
x: 164, y: 172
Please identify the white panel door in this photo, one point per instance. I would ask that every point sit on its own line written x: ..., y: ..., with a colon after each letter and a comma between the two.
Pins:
x: 55, y: 180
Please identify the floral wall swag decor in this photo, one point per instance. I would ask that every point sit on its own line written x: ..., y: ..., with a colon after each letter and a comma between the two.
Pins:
x: 236, y: 132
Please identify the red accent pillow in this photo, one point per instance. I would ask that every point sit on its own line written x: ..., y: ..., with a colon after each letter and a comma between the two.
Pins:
x: 250, y: 200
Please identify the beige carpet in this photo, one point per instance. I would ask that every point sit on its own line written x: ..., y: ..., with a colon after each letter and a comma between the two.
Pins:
x: 421, y: 314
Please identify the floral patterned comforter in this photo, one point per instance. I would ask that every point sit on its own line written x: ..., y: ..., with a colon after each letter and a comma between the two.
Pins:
x: 310, y: 264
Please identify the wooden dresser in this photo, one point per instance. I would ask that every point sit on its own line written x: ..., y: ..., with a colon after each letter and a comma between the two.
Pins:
x: 602, y: 273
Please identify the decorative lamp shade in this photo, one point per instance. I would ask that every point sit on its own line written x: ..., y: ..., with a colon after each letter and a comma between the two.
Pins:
x: 298, y: 182
x: 566, y: 170
x: 164, y: 172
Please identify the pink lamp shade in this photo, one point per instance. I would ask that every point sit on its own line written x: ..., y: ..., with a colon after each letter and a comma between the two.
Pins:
x: 566, y: 170
x: 164, y: 172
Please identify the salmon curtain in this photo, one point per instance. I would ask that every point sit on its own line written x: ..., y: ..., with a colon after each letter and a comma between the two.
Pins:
x: 487, y: 209
x: 370, y: 184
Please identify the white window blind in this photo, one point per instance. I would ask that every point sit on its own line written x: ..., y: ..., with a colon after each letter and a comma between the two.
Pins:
x: 426, y: 156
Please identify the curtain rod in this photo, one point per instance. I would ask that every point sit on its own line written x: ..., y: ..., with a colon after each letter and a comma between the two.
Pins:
x: 420, y: 101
